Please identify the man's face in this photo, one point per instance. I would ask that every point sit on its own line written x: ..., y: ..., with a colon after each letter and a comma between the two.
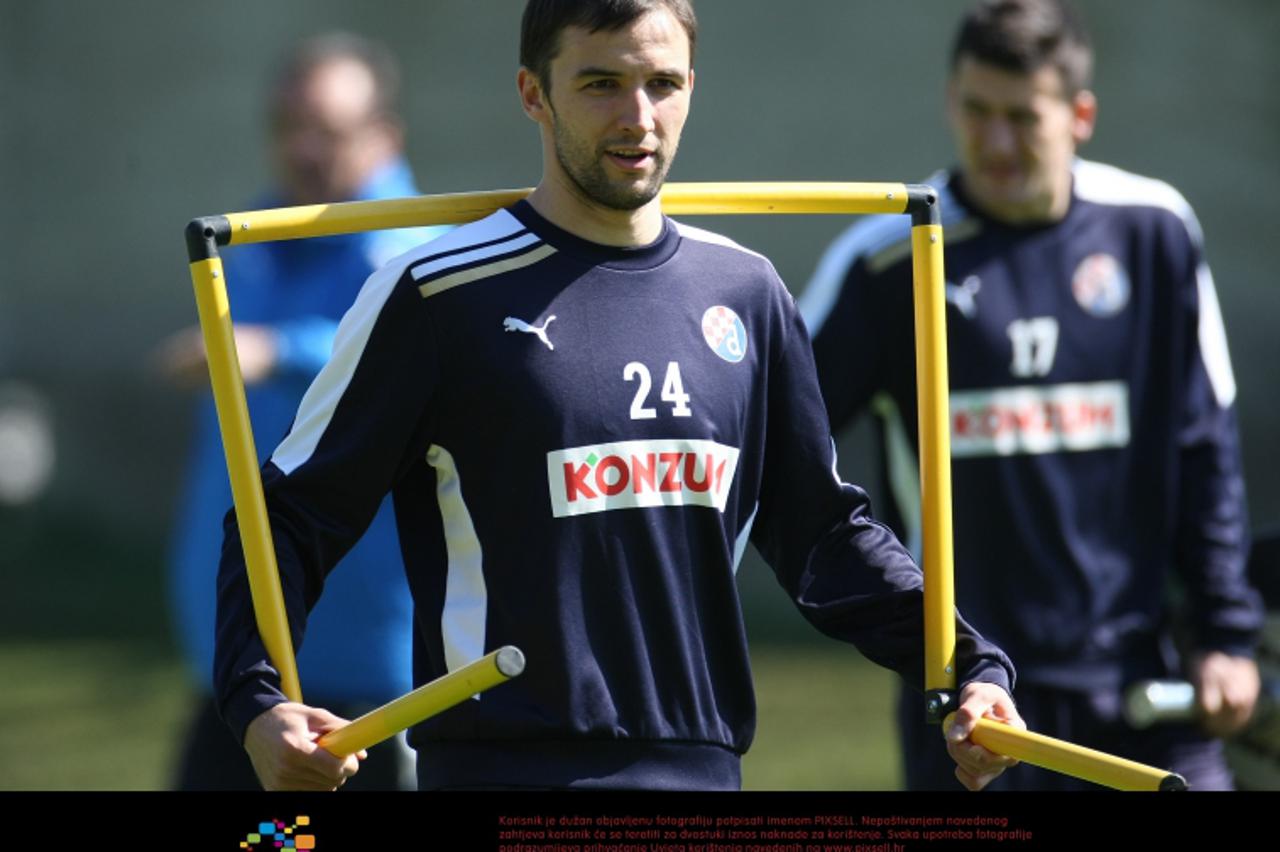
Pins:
x: 327, y: 139
x: 1016, y: 136
x: 616, y: 106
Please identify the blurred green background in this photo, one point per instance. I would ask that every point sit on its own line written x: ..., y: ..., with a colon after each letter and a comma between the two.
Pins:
x: 114, y: 135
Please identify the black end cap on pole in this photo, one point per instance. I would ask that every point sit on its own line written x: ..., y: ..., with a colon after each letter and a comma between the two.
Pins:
x: 1173, y: 783
x: 922, y: 204
x: 205, y: 234
x: 938, y: 703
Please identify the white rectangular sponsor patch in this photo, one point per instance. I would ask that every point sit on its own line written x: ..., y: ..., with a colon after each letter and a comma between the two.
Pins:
x: 632, y: 474
x: 1039, y: 419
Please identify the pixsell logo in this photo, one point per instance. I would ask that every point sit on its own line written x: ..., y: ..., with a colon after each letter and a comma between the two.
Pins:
x: 275, y: 835
x: 1034, y: 419
x: 633, y: 474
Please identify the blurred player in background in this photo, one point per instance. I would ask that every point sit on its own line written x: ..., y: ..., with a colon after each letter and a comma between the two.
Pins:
x: 335, y: 136
x: 1096, y: 464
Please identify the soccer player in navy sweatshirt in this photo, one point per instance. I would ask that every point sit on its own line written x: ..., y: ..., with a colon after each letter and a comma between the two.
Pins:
x: 1093, y: 430
x: 584, y: 411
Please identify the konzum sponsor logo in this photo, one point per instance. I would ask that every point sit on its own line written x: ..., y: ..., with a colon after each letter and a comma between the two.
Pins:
x: 633, y: 474
x: 1039, y: 419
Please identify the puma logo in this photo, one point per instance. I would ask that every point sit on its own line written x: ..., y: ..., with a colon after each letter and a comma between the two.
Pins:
x: 962, y: 296
x: 516, y: 324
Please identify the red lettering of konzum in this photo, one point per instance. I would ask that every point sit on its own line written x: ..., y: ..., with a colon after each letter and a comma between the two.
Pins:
x: 575, y: 481
x: 690, y: 473
x: 635, y: 474
x: 643, y: 470
x: 671, y: 462
x: 613, y: 474
x: 1039, y: 418
x: 619, y: 484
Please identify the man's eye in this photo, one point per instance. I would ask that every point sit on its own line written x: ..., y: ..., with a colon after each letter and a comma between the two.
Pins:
x: 601, y: 85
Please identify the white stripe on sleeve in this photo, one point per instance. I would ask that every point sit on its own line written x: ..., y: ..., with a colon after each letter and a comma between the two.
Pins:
x: 466, y: 598
x: 321, y: 399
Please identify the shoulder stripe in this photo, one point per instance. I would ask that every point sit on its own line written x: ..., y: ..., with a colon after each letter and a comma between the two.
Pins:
x: 322, y: 397
x: 691, y: 232
x: 506, y: 262
x: 954, y: 233
x: 884, y: 239
x: 1213, y: 340
x: 1103, y: 184
x: 442, y: 261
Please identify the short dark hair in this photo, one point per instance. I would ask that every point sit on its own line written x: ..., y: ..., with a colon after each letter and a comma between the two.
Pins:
x: 544, y: 19
x: 1024, y: 36
x: 339, y: 46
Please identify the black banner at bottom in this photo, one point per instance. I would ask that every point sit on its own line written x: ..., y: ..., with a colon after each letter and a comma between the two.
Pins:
x: 629, y: 822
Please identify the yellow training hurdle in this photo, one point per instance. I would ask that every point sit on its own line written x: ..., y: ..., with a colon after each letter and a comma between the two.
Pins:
x: 205, y: 235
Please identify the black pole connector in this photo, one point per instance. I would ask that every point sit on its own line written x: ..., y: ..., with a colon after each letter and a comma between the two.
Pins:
x: 922, y: 204
x: 938, y: 703
x: 1173, y: 783
x: 205, y: 234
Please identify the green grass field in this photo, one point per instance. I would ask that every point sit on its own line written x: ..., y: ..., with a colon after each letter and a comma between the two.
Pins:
x: 96, y: 714
x: 826, y: 721
x: 88, y: 715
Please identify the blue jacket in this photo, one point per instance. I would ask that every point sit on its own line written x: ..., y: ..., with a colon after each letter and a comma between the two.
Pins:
x: 358, y: 647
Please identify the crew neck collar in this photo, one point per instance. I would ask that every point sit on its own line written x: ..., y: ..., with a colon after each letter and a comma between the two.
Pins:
x: 616, y: 257
x: 958, y: 189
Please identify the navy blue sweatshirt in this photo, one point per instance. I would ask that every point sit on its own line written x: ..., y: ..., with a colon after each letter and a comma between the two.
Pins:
x: 580, y: 441
x: 1093, y: 433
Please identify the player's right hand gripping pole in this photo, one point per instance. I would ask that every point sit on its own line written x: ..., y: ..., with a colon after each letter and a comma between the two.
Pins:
x: 939, y: 576
x: 424, y: 702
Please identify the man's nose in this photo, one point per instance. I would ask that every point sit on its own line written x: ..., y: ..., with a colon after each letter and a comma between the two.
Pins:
x: 999, y: 136
x: 637, y: 111
x: 308, y: 146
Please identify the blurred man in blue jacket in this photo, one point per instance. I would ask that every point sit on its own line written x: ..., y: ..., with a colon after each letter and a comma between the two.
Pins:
x: 335, y: 136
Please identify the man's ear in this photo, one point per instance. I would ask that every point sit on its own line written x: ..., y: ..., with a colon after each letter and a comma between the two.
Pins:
x: 532, y: 97
x: 1084, y: 116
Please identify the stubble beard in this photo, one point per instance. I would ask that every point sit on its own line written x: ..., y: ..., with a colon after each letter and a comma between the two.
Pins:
x: 586, y: 170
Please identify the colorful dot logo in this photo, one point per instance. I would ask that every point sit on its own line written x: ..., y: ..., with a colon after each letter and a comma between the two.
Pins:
x: 274, y: 835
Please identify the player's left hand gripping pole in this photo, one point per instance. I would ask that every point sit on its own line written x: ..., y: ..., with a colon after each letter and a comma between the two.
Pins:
x: 203, y: 238
x: 932, y: 387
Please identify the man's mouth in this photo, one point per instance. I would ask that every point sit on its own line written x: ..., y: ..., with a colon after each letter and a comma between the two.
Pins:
x: 629, y: 157
x: 1002, y: 171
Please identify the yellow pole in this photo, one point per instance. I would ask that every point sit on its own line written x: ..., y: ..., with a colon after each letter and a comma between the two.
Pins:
x: 424, y: 702
x: 1070, y: 759
x: 935, y: 458
x: 678, y: 199
x: 242, y: 467
x: 932, y: 388
x: 687, y: 199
